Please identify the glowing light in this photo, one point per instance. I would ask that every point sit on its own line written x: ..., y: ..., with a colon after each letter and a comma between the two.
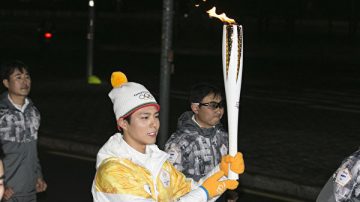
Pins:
x: 91, y: 3
x: 48, y: 35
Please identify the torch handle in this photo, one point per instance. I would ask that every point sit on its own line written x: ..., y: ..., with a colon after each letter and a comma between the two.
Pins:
x: 233, y: 117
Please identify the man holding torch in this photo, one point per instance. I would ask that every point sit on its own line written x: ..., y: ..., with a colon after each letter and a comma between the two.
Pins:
x: 130, y: 167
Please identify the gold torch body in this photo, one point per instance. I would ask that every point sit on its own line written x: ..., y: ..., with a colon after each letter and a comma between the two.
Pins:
x: 232, y: 60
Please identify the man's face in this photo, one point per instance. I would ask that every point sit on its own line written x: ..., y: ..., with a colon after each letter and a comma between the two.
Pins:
x: 143, y: 128
x: 205, y: 115
x: 18, y: 84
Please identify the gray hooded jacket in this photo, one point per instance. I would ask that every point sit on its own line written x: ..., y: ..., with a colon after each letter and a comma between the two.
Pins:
x: 196, y: 151
x: 18, y: 139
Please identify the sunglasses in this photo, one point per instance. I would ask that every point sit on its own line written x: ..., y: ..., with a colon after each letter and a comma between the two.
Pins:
x: 213, y: 105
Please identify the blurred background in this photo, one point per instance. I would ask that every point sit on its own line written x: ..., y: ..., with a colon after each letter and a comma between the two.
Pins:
x: 126, y: 28
x: 300, y: 98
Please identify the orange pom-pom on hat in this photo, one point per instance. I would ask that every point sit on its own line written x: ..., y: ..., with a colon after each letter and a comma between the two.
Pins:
x: 117, y: 79
x: 127, y: 97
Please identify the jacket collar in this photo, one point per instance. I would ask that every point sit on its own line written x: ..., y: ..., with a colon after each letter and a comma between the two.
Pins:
x: 6, y: 103
x: 117, y: 147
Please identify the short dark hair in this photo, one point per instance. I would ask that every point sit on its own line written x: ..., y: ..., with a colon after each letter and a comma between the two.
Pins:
x: 8, y: 68
x: 201, y: 90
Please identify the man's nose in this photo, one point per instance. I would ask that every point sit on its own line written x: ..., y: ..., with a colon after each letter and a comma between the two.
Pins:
x: 154, y: 122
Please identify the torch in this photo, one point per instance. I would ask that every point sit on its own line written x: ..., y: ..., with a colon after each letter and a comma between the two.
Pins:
x: 232, y: 59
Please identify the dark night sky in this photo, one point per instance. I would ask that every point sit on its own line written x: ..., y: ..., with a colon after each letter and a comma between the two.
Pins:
x: 303, y: 8
x: 270, y: 27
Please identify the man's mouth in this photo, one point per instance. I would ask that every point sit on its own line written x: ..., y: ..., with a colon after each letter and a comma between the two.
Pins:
x: 152, y: 134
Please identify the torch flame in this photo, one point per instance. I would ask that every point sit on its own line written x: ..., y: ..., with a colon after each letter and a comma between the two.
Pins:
x: 222, y: 16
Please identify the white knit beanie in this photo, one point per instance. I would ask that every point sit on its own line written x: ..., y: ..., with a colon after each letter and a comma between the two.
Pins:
x: 130, y: 97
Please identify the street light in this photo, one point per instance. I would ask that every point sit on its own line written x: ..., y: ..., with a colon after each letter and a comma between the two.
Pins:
x: 92, y: 79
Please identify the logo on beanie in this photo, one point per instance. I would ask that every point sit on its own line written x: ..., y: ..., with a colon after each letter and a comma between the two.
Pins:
x: 144, y: 95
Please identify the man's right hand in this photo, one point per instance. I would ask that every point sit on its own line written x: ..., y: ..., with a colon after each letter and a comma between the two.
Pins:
x: 215, y: 187
x: 8, y: 193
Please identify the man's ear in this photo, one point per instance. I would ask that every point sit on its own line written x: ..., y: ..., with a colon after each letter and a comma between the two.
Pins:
x: 122, y: 123
x: 6, y: 83
x: 195, y: 107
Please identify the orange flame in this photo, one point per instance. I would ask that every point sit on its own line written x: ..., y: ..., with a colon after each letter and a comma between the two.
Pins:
x: 222, y: 16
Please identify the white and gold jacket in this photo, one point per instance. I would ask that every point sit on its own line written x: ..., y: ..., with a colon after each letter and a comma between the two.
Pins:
x: 124, y: 174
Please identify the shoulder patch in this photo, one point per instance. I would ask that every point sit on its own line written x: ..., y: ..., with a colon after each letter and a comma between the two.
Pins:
x: 343, y: 177
x: 173, y: 154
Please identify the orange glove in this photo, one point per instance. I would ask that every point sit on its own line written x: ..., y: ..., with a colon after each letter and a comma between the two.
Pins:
x: 236, y: 164
x: 214, y: 187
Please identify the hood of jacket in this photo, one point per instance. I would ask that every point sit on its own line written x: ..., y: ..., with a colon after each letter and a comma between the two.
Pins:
x: 186, y: 123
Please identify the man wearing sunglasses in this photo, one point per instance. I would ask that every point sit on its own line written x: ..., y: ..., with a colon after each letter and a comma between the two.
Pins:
x: 200, y: 139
